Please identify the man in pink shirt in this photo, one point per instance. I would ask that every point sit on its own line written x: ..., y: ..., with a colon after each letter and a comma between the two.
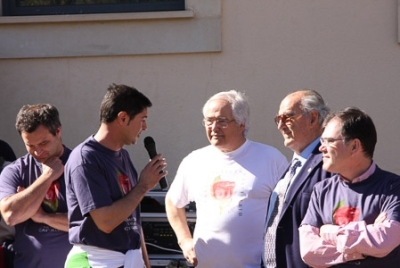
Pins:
x: 353, y: 218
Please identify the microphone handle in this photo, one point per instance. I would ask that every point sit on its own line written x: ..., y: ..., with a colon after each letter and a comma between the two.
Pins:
x: 150, y: 146
x: 163, y: 181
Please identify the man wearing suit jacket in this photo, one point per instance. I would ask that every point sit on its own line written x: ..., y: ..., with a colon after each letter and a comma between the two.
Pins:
x: 299, y: 120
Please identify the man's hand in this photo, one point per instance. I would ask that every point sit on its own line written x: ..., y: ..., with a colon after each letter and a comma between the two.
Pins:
x: 53, y: 168
x: 107, y: 218
x: 153, y: 172
x: 328, y: 233
x: 188, y: 250
x: 381, y: 218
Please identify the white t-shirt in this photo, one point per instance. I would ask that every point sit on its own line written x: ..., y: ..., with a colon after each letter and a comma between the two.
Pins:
x: 231, y: 191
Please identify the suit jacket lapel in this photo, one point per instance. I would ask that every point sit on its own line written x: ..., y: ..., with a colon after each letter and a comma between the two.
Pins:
x: 311, y: 163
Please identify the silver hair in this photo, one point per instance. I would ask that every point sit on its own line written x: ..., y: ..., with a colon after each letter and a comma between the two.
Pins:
x: 312, y: 100
x: 239, y: 105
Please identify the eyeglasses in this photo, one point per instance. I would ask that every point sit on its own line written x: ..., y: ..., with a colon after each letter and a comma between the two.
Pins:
x: 222, y: 122
x: 286, y: 117
x: 330, y: 141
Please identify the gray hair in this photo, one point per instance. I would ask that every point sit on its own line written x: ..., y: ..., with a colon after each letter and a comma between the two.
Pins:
x: 239, y: 105
x: 312, y: 100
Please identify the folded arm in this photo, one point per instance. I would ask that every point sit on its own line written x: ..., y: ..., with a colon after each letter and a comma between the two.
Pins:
x: 334, y: 244
x: 58, y: 221
x: 25, y: 203
x: 317, y: 252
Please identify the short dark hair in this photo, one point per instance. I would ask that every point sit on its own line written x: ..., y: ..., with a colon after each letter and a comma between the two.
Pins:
x: 356, y: 124
x: 31, y: 116
x: 122, y: 98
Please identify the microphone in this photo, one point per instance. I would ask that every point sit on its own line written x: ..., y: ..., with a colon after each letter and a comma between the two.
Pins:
x: 150, y: 146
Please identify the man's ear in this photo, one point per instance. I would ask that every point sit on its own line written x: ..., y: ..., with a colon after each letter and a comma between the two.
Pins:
x: 242, y: 128
x: 122, y: 117
x: 356, y: 144
x: 314, y: 117
x: 58, y: 131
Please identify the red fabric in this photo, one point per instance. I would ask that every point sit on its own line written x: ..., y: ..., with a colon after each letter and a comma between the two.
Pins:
x: 2, y: 260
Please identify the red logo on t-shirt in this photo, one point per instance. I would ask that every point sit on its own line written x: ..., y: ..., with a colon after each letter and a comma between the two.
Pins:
x: 342, y: 214
x: 223, y: 189
x: 124, y: 183
x: 51, y: 198
x: 222, y: 192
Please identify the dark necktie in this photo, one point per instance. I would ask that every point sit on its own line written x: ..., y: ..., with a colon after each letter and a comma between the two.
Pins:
x: 270, y: 234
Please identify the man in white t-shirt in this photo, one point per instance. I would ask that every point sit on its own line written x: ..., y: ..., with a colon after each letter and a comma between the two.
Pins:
x: 230, y: 181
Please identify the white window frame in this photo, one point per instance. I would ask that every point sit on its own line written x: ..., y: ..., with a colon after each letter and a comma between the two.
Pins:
x: 196, y: 29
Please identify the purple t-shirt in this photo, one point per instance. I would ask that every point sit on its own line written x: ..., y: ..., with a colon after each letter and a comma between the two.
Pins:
x: 96, y: 177
x: 37, y: 244
x: 336, y: 202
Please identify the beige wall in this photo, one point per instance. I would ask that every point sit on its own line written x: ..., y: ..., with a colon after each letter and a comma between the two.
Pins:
x: 346, y: 50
